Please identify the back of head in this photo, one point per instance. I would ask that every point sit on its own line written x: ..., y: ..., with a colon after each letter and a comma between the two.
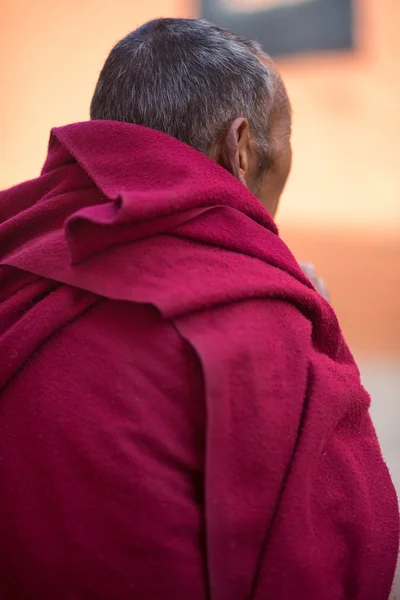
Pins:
x: 189, y: 79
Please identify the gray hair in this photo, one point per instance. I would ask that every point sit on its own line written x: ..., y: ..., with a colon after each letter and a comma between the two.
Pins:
x: 189, y: 79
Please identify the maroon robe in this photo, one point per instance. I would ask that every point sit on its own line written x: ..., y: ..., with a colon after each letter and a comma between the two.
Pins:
x: 180, y: 417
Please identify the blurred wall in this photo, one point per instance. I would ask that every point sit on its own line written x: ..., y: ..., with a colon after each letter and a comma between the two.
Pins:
x: 51, y: 54
x: 341, y: 208
x: 342, y: 205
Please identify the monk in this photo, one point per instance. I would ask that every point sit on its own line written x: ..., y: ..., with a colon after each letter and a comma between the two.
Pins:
x: 180, y: 416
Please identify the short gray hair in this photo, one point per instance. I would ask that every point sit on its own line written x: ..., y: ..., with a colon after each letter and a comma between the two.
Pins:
x: 189, y: 79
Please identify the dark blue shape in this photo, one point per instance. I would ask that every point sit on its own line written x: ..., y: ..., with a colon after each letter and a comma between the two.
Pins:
x: 313, y: 26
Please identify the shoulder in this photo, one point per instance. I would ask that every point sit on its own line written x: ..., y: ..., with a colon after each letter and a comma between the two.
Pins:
x: 106, y: 360
x: 268, y: 328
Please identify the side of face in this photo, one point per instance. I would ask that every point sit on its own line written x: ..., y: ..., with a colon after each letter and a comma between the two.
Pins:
x: 237, y: 152
x: 276, y: 174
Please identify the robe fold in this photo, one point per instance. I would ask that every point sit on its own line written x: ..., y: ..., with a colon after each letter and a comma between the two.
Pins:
x: 180, y: 416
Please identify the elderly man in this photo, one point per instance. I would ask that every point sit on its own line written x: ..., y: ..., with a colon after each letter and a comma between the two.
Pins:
x: 180, y: 415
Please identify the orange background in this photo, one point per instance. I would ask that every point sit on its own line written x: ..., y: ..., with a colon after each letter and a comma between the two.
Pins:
x: 341, y: 209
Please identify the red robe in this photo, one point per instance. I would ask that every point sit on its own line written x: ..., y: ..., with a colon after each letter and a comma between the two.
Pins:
x: 180, y: 417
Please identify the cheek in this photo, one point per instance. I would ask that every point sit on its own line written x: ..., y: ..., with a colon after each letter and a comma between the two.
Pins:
x: 284, y: 161
x: 289, y: 160
x: 282, y: 170
x: 269, y: 194
x: 273, y: 184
